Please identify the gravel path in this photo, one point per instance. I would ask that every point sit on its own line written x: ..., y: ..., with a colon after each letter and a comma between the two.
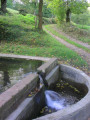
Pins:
x: 80, y: 51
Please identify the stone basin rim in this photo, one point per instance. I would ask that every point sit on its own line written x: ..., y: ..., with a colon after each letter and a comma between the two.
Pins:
x: 82, y: 107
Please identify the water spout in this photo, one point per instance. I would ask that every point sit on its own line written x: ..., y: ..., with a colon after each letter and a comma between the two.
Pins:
x: 42, y: 76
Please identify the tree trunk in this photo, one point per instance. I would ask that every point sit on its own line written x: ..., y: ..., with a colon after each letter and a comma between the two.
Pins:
x: 68, y: 15
x: 3, y: 5
x: 40, y: 14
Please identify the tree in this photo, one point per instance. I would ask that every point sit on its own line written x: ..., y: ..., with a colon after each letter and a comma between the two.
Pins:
x: 40, y: 14
x: 46, y: 11
x: 39, y: 11
x: 31, y: 6
x: 64, y: 8
x: 3, y: 5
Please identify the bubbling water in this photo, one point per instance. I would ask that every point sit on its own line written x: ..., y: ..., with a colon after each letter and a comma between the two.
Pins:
x: 54, y: 100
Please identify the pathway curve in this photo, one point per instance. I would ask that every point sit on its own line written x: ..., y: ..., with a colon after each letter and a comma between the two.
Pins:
x: 80, y: 51
x: 71, y: 38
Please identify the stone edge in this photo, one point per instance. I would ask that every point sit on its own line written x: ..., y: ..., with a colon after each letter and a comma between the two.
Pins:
x: 80, y: 110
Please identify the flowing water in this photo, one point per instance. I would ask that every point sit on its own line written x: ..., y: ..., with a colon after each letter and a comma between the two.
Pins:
x: 54, y: 100
x: 59, y: 96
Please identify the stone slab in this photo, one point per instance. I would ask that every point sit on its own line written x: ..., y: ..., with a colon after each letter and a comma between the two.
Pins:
x: 25, y: 57
x: 10, y: 99
x: 53, y: 76
x: 27, y: 109
x: 48, y: 66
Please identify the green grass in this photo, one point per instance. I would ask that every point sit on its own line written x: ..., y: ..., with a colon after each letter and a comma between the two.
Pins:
x: 75, y: 32
x: 52, y: 30
x: 13, y: 12
x: 45, y: 46
x: 18, y: 35
x: 82, y: 26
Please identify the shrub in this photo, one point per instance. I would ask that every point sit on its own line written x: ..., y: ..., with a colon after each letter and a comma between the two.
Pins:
x: 49, y: 20
x: 83, y: 19
x: 23, y: 12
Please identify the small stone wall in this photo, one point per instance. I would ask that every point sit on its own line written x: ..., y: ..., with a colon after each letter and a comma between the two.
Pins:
x: 29, y: 108
x: 48, y: 66
x: 24, y: 57
x: 10, y: 99
x: 14, y: 96
x: 14, y: 103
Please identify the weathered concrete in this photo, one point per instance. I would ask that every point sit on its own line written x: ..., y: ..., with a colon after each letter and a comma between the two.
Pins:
x: 48, y: 66
x: 11, y: 98
x: 29, y: 108
x: 80, y: 110
x: 53, y: 76
x: 25, y: 57
x: 73, y: 74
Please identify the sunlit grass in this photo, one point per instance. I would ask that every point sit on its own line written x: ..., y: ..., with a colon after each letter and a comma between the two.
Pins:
x: 82, y: 26
x: 11, y: 11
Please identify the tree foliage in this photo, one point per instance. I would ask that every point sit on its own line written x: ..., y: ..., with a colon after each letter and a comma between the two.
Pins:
x: 46, y: 11
x: 28, y: 6
x: 83, y: 19
x: 61, y: 7
x: 10, y: 3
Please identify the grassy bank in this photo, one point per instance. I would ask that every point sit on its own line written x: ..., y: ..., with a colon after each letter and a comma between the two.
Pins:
x: 82, y: 26
x: 76, y: 32
x: 18, y: 35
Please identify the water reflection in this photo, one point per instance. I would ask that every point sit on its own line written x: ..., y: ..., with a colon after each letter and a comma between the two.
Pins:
x: 13, y: 70
x: 6, y: 80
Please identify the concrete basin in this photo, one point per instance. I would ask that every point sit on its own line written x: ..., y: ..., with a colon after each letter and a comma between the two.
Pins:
x: 15, y: 103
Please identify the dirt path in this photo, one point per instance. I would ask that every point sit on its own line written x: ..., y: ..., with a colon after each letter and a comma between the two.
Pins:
x: 80, y: 51
x: 72, y: 39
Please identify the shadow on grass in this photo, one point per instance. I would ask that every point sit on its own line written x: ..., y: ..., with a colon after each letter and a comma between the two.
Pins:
x: 11, y: 32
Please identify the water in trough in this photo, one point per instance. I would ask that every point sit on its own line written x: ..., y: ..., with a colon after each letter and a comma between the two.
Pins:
x: 60, y: 95
x: 13, y: 70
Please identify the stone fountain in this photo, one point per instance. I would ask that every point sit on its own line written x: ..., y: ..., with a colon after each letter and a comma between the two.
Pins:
x: 16, y: 104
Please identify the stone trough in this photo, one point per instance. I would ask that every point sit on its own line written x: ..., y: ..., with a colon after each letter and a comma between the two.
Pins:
x: 15, y: 104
